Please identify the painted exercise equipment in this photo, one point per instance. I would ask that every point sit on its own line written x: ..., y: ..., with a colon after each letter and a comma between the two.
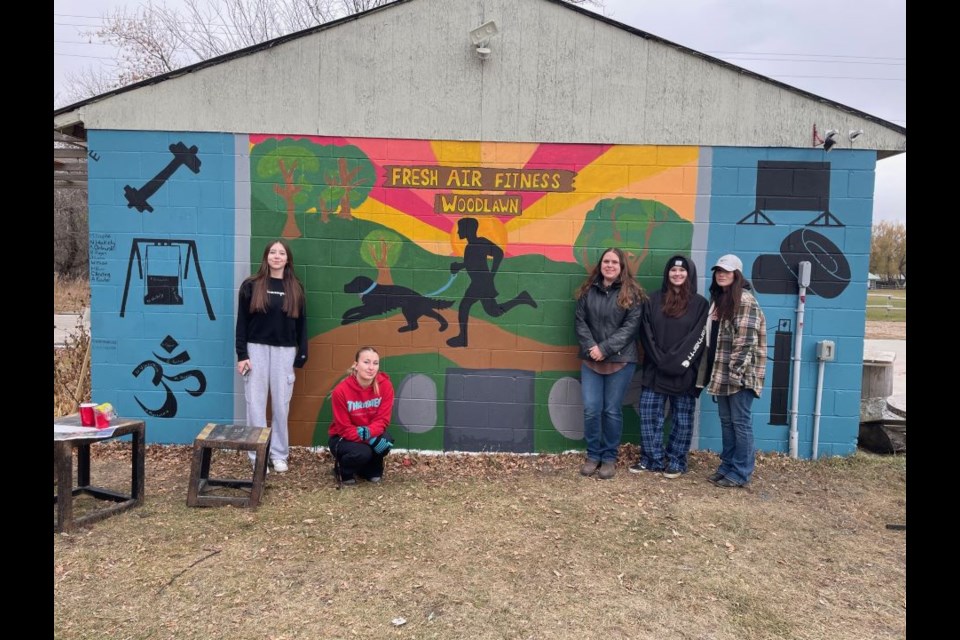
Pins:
x: 164, y: 288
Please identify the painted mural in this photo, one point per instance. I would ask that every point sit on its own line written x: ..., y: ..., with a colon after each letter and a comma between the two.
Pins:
x: 803, y: 205
x: 162, y: 220
x: 459, y: 260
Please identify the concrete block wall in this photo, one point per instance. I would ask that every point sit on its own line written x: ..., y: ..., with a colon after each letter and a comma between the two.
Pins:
x: 375, y: 225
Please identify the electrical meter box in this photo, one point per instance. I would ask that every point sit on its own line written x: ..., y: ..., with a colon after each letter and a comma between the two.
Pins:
x: 826, y: 350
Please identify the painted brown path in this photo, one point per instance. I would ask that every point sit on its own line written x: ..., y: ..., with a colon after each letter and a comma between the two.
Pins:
x: 332, y: 353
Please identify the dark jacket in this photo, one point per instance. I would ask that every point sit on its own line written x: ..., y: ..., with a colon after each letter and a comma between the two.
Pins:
x: 272, y: 327
x: 673, y: 346
x: 601, y: 321
x: 736, y: 350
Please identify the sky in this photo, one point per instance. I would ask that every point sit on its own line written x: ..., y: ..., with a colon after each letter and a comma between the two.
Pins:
x: 849, y: 51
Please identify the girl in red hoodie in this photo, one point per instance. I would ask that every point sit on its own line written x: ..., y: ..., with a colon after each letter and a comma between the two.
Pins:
x: 362, y: 405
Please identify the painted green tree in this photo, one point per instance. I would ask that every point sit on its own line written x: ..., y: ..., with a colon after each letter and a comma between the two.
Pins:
x: 647, y: 231
x: 287, y: 169
x: 382, y: 249
x: 347, y: 176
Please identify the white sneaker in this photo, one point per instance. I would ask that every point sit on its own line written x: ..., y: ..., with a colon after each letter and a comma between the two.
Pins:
x: 280, y: 466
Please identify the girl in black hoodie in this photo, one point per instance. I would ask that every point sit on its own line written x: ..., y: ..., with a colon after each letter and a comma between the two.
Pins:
x: 672, y: 334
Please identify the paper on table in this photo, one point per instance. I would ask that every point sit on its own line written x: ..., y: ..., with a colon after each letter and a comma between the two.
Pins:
x: 73, y: 432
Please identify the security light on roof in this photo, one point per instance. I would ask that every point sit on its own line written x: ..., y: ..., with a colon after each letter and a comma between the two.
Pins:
x: 483, y: 33
x: 830, y: 139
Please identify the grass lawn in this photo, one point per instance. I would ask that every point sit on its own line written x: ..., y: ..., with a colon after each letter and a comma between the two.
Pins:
x: 887, y: 304
x: 493, y: 547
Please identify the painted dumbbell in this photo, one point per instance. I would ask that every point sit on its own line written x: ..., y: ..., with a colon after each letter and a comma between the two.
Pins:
x: 181, y: 156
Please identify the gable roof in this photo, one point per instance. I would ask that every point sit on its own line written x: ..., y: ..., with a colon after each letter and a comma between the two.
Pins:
x: 557, y: 73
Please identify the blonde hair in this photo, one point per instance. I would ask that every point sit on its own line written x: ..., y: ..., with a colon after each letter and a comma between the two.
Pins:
x: 353, y: 368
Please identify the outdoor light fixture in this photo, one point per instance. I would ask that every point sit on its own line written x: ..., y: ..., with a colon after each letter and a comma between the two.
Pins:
x: 854, y: 134
x: 829, y: 139
x: 480, y: 37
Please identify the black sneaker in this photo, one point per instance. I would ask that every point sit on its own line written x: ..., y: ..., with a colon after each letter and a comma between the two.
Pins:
x: 715, y: 477
x: 638, y: 467
x: 726, y: 483
x: 672, y: 474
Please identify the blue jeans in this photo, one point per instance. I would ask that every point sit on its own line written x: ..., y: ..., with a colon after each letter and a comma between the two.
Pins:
x: 736, y: 429
x: 603, y: 410
x: 652, y: 454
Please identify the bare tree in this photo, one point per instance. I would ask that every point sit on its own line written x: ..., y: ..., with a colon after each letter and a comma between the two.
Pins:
x: 70, y: 257
x: 888, y: 250
x: 152, y: 40
x: 213, y: 27
x: 89, y: 81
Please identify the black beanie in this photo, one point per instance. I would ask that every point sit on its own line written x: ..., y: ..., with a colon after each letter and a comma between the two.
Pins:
x: 678, y: 261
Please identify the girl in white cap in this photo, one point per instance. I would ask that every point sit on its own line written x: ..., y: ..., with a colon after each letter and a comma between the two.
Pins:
x: 734, y: 368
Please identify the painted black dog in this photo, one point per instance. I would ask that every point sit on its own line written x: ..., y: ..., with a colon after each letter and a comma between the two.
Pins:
x: 387, y: 297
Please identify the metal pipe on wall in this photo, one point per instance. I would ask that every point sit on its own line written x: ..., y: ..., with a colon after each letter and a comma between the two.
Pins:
x: 816, y: 410
x: 803, y: 279
x: 826, y: 352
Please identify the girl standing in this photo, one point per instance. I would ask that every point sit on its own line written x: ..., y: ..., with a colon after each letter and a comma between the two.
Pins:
x: 609, y: 303
x: 672, y: 333
x: 735, y: 367
x: 271, y: 342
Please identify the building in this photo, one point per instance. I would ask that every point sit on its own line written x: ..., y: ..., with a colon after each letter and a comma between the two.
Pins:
x: 366, y: 141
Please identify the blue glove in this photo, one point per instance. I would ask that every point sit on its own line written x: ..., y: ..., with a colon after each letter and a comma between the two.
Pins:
x: 363, y: 433
x: 380, y: 445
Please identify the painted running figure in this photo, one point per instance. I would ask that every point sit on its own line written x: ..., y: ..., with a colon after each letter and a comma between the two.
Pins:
x: 481, y: 288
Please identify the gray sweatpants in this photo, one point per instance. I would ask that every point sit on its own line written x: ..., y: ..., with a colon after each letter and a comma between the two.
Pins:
x: 271, y: 369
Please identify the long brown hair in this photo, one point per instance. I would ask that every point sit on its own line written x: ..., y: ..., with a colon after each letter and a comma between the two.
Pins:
x: 676, y: 299
x: 631, y: 292
x: 352, y: 371
x: 726, y: 302
x: 293, y: 295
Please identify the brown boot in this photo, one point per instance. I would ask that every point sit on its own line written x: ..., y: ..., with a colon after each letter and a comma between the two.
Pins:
x: 589, y: 467
x: 607, y: 470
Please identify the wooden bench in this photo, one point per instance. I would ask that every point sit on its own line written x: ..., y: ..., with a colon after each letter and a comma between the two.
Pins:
x: 228, y: 436
x: 63, y: 446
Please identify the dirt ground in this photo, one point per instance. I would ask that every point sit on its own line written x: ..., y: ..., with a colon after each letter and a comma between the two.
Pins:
x: 881, y: 330
x: 491, y: 548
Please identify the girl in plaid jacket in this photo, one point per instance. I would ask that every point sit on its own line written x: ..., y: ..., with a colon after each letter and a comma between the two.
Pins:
x: 734, y: 368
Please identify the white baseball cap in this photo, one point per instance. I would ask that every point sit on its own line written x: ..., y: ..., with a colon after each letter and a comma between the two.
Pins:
x: 729, y: 262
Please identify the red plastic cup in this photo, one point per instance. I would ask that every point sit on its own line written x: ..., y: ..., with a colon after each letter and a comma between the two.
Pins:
x: 102, y: 419
x: 86, y: 414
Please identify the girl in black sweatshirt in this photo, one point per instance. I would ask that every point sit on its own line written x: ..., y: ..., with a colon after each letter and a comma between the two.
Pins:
x: 672, y: 334
x: 271, y: 341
